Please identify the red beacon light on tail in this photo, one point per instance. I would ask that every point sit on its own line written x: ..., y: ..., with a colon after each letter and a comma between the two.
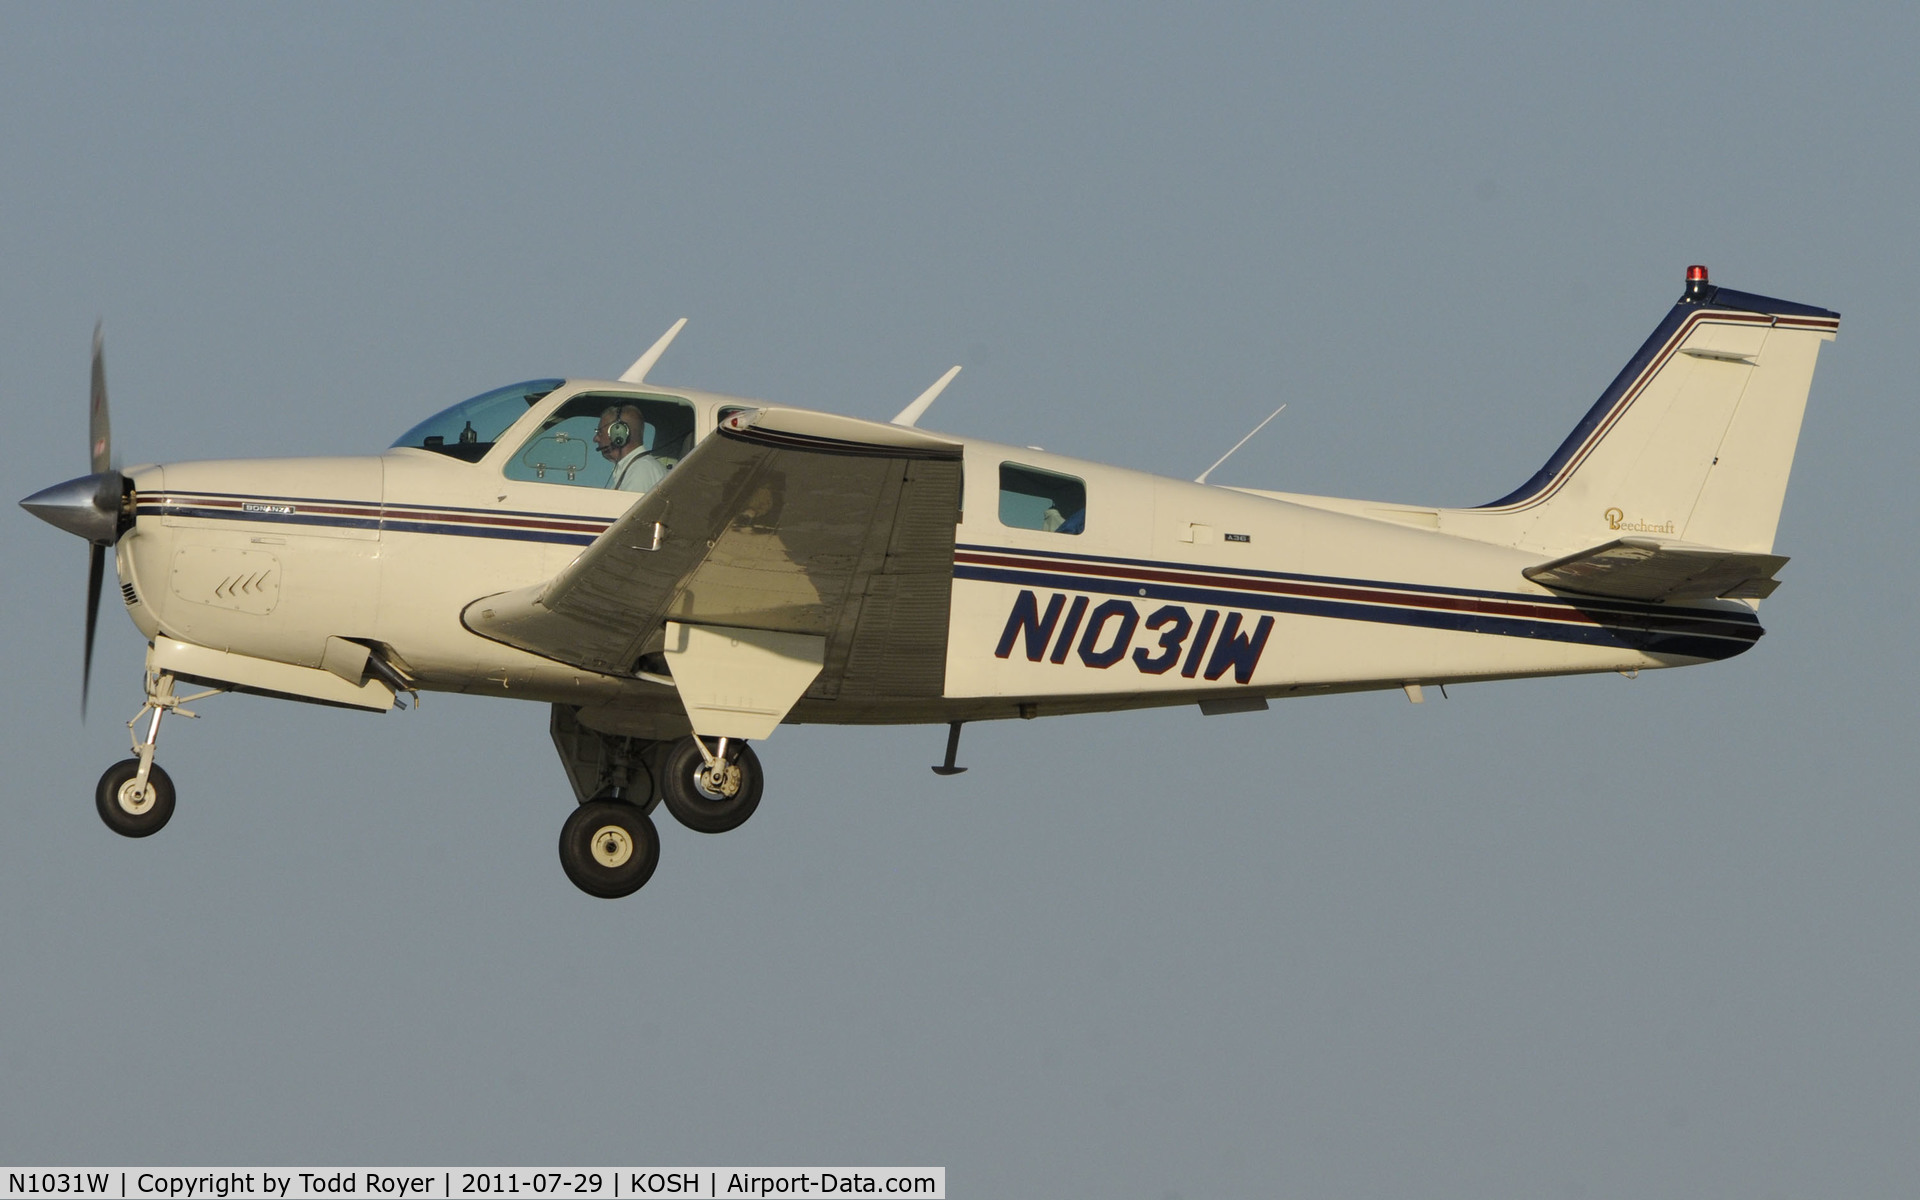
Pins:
x: 1697, y: 285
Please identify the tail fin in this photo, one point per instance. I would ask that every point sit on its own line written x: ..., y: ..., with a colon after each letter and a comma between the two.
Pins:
x: 1693, y: 440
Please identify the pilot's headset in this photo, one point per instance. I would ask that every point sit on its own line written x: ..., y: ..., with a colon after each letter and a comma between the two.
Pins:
x: 619, y: 434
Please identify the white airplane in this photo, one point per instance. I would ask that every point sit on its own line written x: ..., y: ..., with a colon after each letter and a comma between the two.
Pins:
x: 677, y: 573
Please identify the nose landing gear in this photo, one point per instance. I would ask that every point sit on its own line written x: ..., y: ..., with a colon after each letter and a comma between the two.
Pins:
x: 135, y: 797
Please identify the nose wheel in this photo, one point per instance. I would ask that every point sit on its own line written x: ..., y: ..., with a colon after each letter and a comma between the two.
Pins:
x: 133, y: 807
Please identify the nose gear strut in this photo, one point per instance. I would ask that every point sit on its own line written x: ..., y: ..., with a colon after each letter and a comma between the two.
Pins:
x: 160, y: 700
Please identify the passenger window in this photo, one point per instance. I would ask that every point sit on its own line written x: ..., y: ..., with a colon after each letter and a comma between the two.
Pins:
x: 606, y: 440
x: 1031, y: 499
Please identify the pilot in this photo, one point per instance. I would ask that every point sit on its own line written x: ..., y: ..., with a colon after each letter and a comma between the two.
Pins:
x: 618, y: 440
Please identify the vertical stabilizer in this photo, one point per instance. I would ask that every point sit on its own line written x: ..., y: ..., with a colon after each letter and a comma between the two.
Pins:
x: 1693, y: 440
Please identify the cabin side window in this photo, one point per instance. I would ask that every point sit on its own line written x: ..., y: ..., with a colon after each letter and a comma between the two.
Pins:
x: 606, y: 440
x: 1031, y: 499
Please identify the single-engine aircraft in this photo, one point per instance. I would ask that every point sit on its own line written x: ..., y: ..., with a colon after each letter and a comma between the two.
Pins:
x: 677, y: 573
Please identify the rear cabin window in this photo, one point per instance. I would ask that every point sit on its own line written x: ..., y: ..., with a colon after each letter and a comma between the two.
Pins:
x: 1031, y: 499
x: 649, y: 435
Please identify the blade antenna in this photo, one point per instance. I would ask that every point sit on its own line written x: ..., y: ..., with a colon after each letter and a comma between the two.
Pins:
x: 913, y: 412
x: 1202, y: 477
x: 637, y: 373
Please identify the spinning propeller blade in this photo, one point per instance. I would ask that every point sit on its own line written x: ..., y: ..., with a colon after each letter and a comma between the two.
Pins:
x: 96, y: 573
x: 100, y: 450
x: 90, y: 506
x: 100, y: 453
x: 99, y: 431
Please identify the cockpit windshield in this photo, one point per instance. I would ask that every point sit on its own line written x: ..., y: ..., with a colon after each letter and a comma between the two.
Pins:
x: 468, y: 429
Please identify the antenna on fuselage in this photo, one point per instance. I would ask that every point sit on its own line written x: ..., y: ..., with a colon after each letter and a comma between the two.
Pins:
x: 913, y: 412
x: 1202, y: 477
x: 637, y: 373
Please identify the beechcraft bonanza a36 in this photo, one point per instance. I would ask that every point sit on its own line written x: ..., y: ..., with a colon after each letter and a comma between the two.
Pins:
x: 677, y: 573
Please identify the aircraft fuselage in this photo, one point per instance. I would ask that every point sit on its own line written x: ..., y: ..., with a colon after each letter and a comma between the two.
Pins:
x: 1166, y: 592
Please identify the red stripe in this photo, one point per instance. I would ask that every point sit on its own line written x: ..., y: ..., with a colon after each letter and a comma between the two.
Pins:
x: 1489, y: 606
x: 367, y: 509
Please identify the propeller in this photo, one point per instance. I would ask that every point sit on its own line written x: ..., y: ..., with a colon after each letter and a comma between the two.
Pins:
x: 92, y: 506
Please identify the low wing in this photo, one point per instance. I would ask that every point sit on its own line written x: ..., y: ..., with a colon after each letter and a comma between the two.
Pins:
x: 785, y: 521
x: 1645, y: 569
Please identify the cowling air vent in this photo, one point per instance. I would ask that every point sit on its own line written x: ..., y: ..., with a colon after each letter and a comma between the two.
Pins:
x: 132, y: 597
x: 224, y: 577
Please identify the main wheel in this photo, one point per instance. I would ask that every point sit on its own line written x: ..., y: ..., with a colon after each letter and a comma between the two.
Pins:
x: 609, y: 849
x: 700, y: 801
x: 129, y: 811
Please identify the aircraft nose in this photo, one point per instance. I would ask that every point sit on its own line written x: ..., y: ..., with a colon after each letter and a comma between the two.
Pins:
x: 88, y: 506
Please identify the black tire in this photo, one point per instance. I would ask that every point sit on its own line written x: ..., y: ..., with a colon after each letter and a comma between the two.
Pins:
x: 699, y: 809
x: 609, y: 849
x: 127, y: 814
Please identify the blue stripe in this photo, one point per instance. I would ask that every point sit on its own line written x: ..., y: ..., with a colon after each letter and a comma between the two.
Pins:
x: 375, y: 505
x: 227, y: 514
x: 1766, y: 305
x: 448, y: 529
x: 1596, y: 606
x: 1693, y: 639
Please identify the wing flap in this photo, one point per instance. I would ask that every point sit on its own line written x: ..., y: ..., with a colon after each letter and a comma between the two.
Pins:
x: 1646, y: 569
x: 783, y: 520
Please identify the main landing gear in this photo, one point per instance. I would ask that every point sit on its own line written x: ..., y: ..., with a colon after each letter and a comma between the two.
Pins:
x: 135, y: 797
x: 609, y: 845
x: 711, y: 789
x: 609, y: 848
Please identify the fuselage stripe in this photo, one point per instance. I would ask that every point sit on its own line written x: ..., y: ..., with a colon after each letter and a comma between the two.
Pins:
x: 1695, y: 633
x: 348, y: 514
x: 1368, y: 591
x: 1691, y: 641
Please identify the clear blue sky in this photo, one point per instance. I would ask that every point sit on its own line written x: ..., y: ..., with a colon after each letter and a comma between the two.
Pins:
x: 1569, y: 938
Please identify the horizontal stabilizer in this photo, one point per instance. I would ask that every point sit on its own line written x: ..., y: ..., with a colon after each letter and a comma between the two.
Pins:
x: 1645, y: 569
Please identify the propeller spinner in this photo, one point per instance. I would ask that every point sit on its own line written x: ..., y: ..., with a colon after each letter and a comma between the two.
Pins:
x: 93, y: 506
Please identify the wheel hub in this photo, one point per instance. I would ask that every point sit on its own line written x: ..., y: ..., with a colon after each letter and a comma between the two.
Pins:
x: 721, y: 783
x: 612, y: 846
x: 136, y: 801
